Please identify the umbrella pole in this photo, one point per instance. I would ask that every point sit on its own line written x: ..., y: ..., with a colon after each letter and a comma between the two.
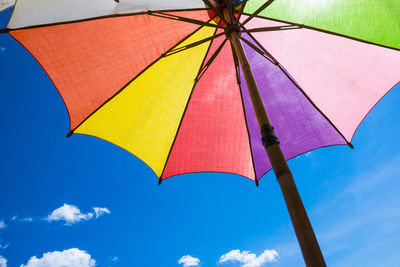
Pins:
x: 304, y: 232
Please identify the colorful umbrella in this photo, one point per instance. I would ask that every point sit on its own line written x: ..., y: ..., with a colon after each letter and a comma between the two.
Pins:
x: 182, y: 84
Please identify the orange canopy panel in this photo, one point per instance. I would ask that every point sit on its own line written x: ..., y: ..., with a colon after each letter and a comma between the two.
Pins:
x: 89, y: 61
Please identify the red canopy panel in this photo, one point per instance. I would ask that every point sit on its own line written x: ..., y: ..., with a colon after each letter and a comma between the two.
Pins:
x: 213, y: 135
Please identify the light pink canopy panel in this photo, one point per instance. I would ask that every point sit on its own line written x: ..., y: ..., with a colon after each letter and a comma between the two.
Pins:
x: 343, y: 77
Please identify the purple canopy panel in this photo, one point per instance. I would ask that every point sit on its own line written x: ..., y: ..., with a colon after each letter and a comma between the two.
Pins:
x: 299, y: 126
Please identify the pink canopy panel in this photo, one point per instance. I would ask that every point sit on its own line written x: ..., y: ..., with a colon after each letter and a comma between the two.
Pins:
x: 342, y: 77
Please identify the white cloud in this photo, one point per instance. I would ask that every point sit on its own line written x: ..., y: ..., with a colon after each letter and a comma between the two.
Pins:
x: 3, y: 262
x: 189, y: 261
x: 72, y: 257
x: 71, y: 214
x: 26, y: 219
x: 112, y: 260
x: 2, y: 224
x: 307, y: 154
x: 100, y: 211
x: 248, y: 259
x: 2, y: 247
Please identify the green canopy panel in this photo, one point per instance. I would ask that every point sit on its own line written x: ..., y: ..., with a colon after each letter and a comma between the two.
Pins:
x: 373, y: 21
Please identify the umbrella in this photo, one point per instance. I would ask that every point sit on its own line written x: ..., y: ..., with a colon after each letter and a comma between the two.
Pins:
x: 183, y: 84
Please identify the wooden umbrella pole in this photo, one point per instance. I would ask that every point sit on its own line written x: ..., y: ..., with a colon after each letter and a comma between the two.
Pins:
x: 304, y: 232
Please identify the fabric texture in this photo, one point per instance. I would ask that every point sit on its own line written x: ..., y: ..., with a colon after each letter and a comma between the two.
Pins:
x: 119, y: 85
x: 213, y: 135
x: 4, y: 4
x: 36, y: 12
x: 144, y: 117
x: 298, y: 125
x: 343, y: 77
x: 90, y: 61
x: 375, y: 21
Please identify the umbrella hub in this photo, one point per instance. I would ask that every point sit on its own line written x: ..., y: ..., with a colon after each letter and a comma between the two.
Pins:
x: 229, y: 28
x: 222, y: 6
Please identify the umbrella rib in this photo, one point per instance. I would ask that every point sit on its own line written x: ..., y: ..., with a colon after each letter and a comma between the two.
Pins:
x: 183, y: 48
x: 210, y: 60
x: 258, y: 51
x: 236, y: 61
x: 184, y: 19
x: 184, y: 112
x: 6, y: 30
x: 326, y: 31
x: 241, y: 10
x: 229, y: 5
x: 215, y: 10
x: 261, y: 8
x: 277, y: 28
x: 314, y: 105
x: 260, y: 45
x: 134, y: 78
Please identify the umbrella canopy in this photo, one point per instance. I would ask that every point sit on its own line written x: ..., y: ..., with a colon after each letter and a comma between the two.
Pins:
x: 127, y: 75
x: 159, y: 79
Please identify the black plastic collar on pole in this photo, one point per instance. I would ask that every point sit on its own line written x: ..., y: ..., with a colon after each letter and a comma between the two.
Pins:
x: 229, y: 28
x: 268, y: 136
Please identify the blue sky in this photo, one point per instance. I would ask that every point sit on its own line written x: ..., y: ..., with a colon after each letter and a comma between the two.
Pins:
x: 352, y: 196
